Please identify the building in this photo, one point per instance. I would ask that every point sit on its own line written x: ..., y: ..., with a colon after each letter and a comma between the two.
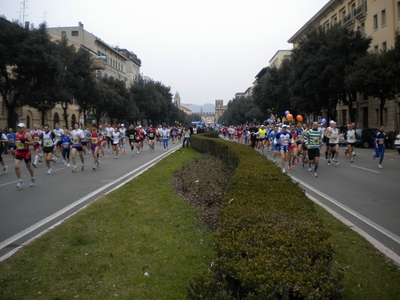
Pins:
x: 279, y: 57
x: 220, y: 108
x: 108, y: 61
x: 378, y: 19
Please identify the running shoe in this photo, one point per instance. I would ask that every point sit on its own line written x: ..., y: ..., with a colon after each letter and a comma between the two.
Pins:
x: 5, y: 169
x: 34, y: 165
x: 329, y: 162
x: 116, y: 157
x: 94, y: 168
x: 373, y: 156
x: 283, y: 170
x: 133, y: 153
x: 98, y: 164
x: 68, y: 164
x: 380, y: 166
x: 74, y: 170
x: 20, y: 183
x: 315, y: 175
x: 50, y: 171
x: 351, y: 159
x: 309, y: 169
x: 336, y: 162
x: 83, y: 167
x: 32, y: 182
x: 302, y: 166
x: 298, y: 159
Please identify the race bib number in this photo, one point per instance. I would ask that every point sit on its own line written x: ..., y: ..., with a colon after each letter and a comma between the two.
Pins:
x: 315, y: 142
x: 151, y: 134
x: 11, y: 141
x: 94, y: 140
x: 20, y: 145
x: 47, y: 144
x: 334, y: 139
x: 66, y: 145
x: 36, y: 139
x: 75, y: 141
x: 131, y: 137
x: 351, y: 138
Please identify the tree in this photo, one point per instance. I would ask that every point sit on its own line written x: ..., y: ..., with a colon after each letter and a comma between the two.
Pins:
x: 374, y: 75
x: 24, y: 65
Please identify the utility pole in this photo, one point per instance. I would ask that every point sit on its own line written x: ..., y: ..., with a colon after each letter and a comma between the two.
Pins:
x: 24, y: 7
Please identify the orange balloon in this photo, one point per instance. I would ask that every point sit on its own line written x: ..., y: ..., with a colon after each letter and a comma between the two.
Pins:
x: 289, y: 117
x: 299, y: 118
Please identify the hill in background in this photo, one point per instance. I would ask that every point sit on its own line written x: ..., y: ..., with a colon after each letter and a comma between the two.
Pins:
x: 207, y: 108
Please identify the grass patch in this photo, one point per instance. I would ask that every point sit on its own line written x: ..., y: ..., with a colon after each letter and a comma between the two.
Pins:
x: 368, y: 274
x: 104, y: 251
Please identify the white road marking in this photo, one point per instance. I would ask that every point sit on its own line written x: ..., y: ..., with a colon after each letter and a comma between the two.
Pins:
x: 379, y: 228
x: 382, y: 248
x: 72, y: 205
x: 365, y: 169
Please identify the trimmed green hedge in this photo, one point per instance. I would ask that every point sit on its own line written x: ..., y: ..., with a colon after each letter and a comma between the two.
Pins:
x: 271, y: 244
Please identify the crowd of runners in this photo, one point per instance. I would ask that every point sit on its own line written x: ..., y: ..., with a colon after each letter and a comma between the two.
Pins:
x: 302, y: 144
x: 73, y: 144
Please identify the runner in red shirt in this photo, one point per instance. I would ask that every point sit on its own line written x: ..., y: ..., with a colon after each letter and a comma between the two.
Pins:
x: 22, y: 142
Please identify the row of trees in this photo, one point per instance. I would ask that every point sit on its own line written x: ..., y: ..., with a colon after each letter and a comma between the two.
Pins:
x: 328, y: 67
x: 36, y: 72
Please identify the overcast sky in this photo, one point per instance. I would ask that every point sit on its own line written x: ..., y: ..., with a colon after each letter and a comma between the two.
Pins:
x: 205, y: 50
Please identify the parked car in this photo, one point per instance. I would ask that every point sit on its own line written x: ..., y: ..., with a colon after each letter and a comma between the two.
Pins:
x: 397, y: 143
x: 364, y: 137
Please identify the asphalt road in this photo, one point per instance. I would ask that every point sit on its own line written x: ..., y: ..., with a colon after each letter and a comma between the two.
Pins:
x: 360, y: 192
x: 29, y: 211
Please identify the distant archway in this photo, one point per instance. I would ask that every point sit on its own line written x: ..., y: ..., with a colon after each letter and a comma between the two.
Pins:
x: 28, y: 122
x: 56, y: 119
x: 73, y: 120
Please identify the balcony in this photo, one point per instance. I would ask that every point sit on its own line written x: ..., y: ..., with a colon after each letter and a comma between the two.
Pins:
x: 360, y: 13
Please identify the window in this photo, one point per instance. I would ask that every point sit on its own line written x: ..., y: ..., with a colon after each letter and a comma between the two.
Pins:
x: 327, y: 25
x: 384, y: 47
x: 365, y: 6
x: 375, y: 22
x: 63, y: 33
x: 385, y: 117
x: 343, y: 15
x: 74, y: 33
x: 376, y: 49
x: 334, y: 20
x: 362, y: 28
x: 383, y: 17
x: 353, y: 9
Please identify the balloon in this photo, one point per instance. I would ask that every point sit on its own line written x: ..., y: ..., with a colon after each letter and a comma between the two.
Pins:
x: 289, y: 117
x: 287, y: 112
x: 323, y: 121
x: 299, y: 118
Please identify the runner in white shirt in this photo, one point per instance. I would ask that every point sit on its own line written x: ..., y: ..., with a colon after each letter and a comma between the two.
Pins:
x: 350, y: 137
x: 58, y: 132
x: 115, y: 136
x: 332, y: 133
x: 109, y: 131
x: 165, y: 137
x: 77, y: 137
x: 122, y: 131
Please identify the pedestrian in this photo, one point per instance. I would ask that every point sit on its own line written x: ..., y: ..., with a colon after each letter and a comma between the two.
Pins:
x: 3, y: 139
x: 380, y: 138
x: 22, y: 142
x: 186, y: 137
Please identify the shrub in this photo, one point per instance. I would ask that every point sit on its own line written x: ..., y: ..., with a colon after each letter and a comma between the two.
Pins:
x: 271, y: 244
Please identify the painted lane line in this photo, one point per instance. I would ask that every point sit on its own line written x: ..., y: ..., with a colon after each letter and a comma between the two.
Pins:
x: 365, y: 169
x: 382, y: 248
x: 83, y: 199
x: 367, y: 221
